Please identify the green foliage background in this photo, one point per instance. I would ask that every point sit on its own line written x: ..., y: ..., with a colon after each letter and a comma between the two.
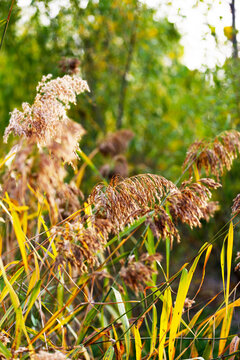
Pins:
x: 132, y: 62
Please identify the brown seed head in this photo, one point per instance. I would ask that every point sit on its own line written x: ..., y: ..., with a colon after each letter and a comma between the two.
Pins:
x: 116, y: 143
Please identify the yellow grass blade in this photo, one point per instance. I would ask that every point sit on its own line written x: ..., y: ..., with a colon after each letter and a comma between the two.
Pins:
x: 138, y: 343
x: 219, y: 315
x: 229, y: 312
x: 184, y: 284
x: 21, y: 239
x: 222, y: 262
x: 20, y: 323
x: 54, y: 249
x: 5, y: 291
x: 35, y: 276
x: 164, y: 321
x: 208, y: 252
x: 229, y: 259
x: 154, y: 331
x: 65, y: 320
x: 33, y: 297
x: 177, y: 311
x: 117, y: 344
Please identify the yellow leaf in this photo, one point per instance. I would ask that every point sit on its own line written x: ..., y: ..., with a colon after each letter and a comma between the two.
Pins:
x: 138, y: 343
x: 164, y: 321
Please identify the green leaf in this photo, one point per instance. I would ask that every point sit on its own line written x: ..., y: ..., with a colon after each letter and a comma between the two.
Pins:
x: 4, y: 351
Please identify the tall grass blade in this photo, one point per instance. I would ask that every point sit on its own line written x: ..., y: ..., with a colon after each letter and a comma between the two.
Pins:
x: 177, y: 311
x: 154, y: 331
x: 21, y: 239
x: 125, y: 322
x: 138, y: 343
x: 33, y: 297
x: 5, y: 291
x: 164, y: 321
x: 184, y: 284
x: 20, y: 323
x: 229, y: 312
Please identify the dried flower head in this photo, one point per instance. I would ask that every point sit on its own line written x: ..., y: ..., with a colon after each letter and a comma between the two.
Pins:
x: 119, y: 168
x: 188, y: 303
x: 43, y: 121
x: 79, y: 244
x: 237, y: 259
x: 125, y: 201
x: 4, y: 338
x: 69, y: 65
x: 191, y: 203
x: 66, y: 144
x: 236, y: 205
x: 214, y: 155
x: 116, y: 143
x: 138, y: 273
x: 44, y: 355
x: 46, y: 175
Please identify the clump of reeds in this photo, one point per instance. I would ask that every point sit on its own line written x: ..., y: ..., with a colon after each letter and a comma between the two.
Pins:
x: 46, y: 124
x: 80, y: 240
x: 118, y: 205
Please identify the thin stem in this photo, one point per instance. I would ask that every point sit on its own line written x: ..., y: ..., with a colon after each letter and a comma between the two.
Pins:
x: 6, y: 25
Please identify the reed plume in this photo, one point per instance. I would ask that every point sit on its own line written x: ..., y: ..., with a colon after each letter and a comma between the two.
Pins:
x: 137, y: 274
x: 236, y: 205
x: 214, y: 156
x: 46, y: 123
x: 116, y: 143
x: 46, y: 120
